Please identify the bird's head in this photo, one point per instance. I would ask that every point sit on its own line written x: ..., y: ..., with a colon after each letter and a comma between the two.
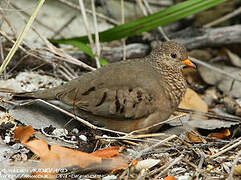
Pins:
x: 172, y: 54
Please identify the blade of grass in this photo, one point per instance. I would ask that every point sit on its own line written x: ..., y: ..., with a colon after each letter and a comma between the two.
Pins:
x: 86, y: 49
x: 150, y: 22
x: 21, y: 36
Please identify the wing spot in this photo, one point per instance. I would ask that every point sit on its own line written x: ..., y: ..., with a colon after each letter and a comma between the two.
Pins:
x: 139, y: 95
x: 117, y: 104
x: 134, y: 105
x: 122, y: 109
x: 88, y: 91
x: 102, y: 99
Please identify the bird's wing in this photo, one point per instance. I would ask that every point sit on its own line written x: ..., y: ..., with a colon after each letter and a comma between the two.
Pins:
x: 122, y: 92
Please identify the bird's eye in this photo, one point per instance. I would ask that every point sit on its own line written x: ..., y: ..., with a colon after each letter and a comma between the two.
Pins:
x: 173, y: 55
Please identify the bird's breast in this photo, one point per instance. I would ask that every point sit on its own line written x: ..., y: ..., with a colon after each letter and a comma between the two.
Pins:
x: 174, y: 87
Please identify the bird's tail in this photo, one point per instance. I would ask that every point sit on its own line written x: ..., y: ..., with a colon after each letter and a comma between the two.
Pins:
x: 24, y: 95
x: 49, y: 94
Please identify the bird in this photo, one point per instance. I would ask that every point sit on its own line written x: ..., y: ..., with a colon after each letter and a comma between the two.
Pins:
x: 127, y: 95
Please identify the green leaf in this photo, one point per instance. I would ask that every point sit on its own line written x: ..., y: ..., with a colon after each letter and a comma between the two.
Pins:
x: 150, y: 22
x: 86, y: 49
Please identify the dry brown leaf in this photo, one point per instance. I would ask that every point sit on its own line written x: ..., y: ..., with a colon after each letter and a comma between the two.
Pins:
x: 38, y: 147
x: 23, y: 133
x: 220, y: 135
x: 70, y: 157
x: 108, y: 152
x: 190, y: 137
x: 192, y: 100
x: 55, y: 156
x: 170, y: 178
x: 237, y: 170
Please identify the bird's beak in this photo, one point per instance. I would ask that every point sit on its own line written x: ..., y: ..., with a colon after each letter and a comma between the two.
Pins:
x: 188, y: 63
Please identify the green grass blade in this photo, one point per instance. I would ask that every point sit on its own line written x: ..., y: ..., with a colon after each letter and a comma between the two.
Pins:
x: 150, y: 22
x: 86, y: 49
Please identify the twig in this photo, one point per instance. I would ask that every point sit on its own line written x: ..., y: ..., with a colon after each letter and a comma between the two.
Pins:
x: 144, y: 151
x: 162, y: 3
x: 230, y: 177
x: 157, y: 124
x: 68, y: 75
x: 142, y: 174
x: 108, y: 19
x: 214, y: 68
x: 87, y: 28
x: 126, y: 138
x: 116, y: 53
x: 160, y: 29
x: 64, y: 56
x: 59, y: 52
x: 136, y: 137
x: 97, y: 41
x: 225, y: 150
x: 36, y: 20
x: 227, y: 145
x: 8, y: 23
x: 194, y: 38
x: 199, y: 167
x: 106, y: 8
x: 223, y: 18
x: 88, y: 124
x: 64, y: 26
x: 169, y: 166
x: 20, y: 47
x: 2, y: 56
x: 212, y: 115
x: 21, y: 36
x: 123, y: 22
x: 142, y: 7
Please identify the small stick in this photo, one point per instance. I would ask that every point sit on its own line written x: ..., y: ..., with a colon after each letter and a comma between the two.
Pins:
x: 199, y: 167
x: 87, y: 28
x: 214, y: 68
x: 108, y: 19
x: 158, y: 124
x: 223, y: 18
x: 97, y: 41
x: 169, y: 166
x: 80, y: 119
x: 123, y: 22
x: 154, y: 146
x: 225, y: 150
x: 28, y: 15
x: 230, y: 177
x: 212, y: 115
x: 64, y: 26
x: 8, y: 23
x: 160, y: 29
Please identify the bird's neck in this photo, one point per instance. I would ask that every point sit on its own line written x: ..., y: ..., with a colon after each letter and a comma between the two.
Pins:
x: 172, y: 81
x: 175, y: 84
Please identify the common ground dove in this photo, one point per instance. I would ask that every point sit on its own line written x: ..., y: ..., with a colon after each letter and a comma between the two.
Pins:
x: 127, y: 95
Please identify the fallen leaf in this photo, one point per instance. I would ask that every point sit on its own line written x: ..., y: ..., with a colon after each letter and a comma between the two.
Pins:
x: 223, y: 134
x: 190, y: 137
x: 56, y: 156
x: 108, y: 152
x: 23, y: 133
x: 192, y: 100
x: 170, y: 178
x: 237, y: 170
